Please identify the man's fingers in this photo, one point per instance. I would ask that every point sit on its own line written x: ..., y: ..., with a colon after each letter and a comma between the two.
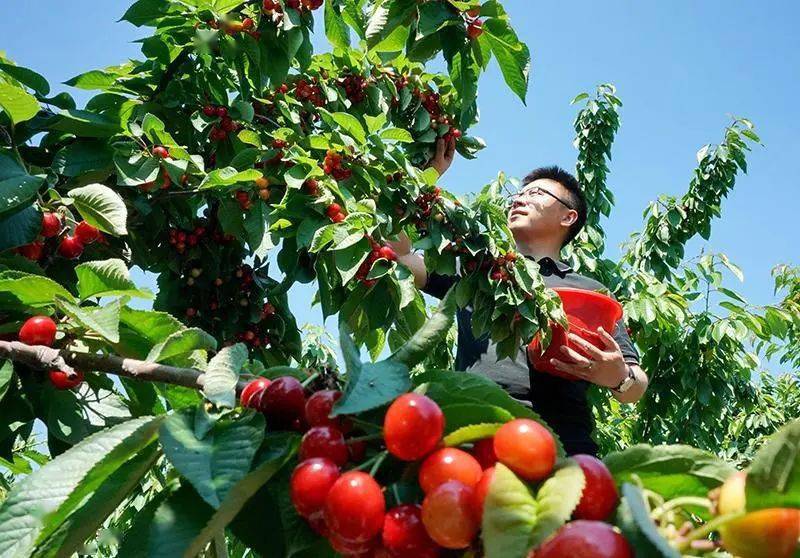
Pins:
x: 441, y: 148
x: 593, y: 351
x: 611, y: 343
x: 568, y: 368
x: 576, y: 356
x: 451, y: 148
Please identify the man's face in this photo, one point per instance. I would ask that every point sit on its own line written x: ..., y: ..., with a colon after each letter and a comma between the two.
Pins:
x: 536, y: 211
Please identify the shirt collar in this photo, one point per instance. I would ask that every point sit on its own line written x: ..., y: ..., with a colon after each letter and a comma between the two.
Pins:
x: 549, y: 266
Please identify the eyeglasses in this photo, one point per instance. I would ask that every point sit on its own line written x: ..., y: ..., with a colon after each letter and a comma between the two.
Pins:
x: 537, y: 191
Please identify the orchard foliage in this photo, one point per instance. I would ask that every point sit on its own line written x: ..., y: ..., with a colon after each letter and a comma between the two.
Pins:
x: 232, y: 162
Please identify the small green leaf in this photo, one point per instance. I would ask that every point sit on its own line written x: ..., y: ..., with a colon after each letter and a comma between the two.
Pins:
x: 101, y: 207
x: 81, y: 157
x: 107, y: 278
x: 27, y: 77
x: 34, y: 290
x: 180, y: 343
x: 429, y: 335
x: 17, y: 187
x: 17, y: 103
x: 397, y: 134
x: 6, y: 375
x: 459, y: 415
x: 509, y: 515
x: 219, y: 385
x: 372, y: 385
x: 557, y: 498
x: 228, y: 176
x: 351, y: 126
x: 471, y: 433
x: 773, y: 480
x: 335, y: 29
x: 19, y: 228
x: 103, y: 320
x: 512, y: 55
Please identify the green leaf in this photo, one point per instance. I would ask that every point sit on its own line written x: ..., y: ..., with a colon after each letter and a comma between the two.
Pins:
x: 773, y: 480
x: 512, y: 55
x: 471, y: 433
x: 459, y: 415
x: 633, y: 519
x: 17, y: 103
x: 22, y: 227
x: 219, y: 385
x: 372, y: 385
x: 94, y: 80
x: 81, y: 157
x: 103, y: 320
x: 216, y: 460
x: 101, y: 207
x: 419, y: 346
x: 227, y: 177
x: 335, y: 28
x: 669, y: 470
x: 183, y: 525
x: 27, y: 77
x: 6, y: 375
x: 351, y: 126
x: 557, y: 498
x: 34, y: 290
x: 509, y: 515
x: 38, y: 504
x: 17, y: 187
x: 180, y: 343
x: 397, y: 134
x: 87, y: 124
x: 83, y: 523
x: 107, y: 278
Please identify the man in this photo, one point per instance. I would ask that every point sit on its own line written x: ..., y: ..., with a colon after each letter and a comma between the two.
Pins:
x: 544, y: 216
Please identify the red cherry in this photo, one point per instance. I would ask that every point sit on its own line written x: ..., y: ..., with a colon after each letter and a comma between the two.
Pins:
x: 60, y: 380
x: 209, y: 110
x: 284, y: 401
x: 86, y: 233
x: 527, y: 448
x: 51, y: 225
x: 483, y: 450
x: 475, y: 30
x: 600, y: 497
x: 349, y: 548
x: 319, y: 407
x: 222, y: 112
x: 253, y: 392
x: 588, y: 539
x: 32, y: 251
x: 481, y: 490
x: 228, y: 125
x: 161, y: 151
x: 388, y: 253
x: 447, y: 515
x: 324, y: 441
x: 355, y: 506
x: 333, y: 209
x: 71, y: 247
x: 317, y: 521
x: 404, y: 534
x: 413, y: 426
x: 248, y: 23
x: 449, y: 464
x: 311, y: 481
x: 39, y: 330
x: 338, y: 218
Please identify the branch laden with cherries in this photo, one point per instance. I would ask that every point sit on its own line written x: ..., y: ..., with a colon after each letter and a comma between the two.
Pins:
x: 232, y: 162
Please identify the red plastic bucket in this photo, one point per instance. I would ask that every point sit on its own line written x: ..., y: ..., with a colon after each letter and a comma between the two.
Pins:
x: 586, y: 311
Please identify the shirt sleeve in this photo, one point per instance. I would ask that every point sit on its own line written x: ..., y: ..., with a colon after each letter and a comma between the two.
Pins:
x: 438, y: 285
x: 629, y: 352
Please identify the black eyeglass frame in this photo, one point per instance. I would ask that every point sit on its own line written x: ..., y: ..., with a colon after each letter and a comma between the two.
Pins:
x: 539, y: 189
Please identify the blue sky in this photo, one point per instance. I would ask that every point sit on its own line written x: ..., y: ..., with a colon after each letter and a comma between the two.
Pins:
x: 681, y: 68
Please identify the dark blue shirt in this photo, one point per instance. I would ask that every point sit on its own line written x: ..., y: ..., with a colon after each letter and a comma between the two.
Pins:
x: 563, y: 404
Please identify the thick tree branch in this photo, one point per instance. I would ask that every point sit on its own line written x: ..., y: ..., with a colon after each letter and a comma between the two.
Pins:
x: 47, y: 358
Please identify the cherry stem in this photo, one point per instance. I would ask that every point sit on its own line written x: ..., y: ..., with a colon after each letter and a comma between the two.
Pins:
x: 368, y: 462
x: 705, y: 530
x: 680, y: 503
x: 366, y: 438
x: 378, y: 462
x: 310, y: 379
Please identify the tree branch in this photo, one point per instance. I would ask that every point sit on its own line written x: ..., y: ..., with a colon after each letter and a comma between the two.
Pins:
x: 47, y: 358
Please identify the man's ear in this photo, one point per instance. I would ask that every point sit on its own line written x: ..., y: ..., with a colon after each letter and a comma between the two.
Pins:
x: 569, y: 218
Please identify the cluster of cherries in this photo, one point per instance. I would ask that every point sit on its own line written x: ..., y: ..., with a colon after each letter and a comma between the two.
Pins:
x: 162, y: 152
x: 224, y: 126
x: 41, y: 330
x: 430, y: 101
x: 182, y: 239
x: 335, y: 213
x: 474, y: 25
x: 274, y: 6
x: 355, y: 87
x: 311, y: 92
x: 349, y: 509
x: 332, y: 165
x: 70, y: 246
x: 426, y: 201
x: 247, y: 25
x: 378, y: 251
x: 311, y: 187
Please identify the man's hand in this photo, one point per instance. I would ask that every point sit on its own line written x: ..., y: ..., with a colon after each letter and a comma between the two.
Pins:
x: 445, y: 153
x: 603, y: 367
x: 401, y: 246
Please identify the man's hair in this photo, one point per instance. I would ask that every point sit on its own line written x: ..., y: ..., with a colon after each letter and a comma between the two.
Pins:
x: 575, y: 194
